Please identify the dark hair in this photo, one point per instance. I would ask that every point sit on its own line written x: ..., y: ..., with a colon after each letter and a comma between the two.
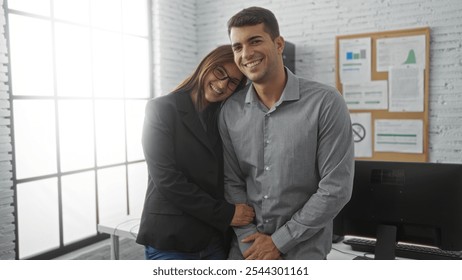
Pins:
x: 253, y: 16
x: 195, y: 82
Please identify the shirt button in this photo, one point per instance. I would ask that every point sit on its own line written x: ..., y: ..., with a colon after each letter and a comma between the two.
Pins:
x: 265, y: 197
x: 267, y: 168
x: 267, y: 141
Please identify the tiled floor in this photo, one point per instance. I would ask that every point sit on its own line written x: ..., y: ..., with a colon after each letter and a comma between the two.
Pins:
x: 129, y: 250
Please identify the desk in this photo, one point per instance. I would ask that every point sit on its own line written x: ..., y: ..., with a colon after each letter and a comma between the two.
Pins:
x: 126, y: 226
x: 341, y: 251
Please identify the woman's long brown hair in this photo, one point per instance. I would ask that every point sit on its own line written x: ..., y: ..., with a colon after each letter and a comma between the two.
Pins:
x: 195, y: 82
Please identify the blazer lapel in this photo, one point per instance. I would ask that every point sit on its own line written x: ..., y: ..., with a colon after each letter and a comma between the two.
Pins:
x: 191, y: 120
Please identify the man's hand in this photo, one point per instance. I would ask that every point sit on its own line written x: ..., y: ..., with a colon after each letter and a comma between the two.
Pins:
x: 262, y: 248
x: 243, y: 215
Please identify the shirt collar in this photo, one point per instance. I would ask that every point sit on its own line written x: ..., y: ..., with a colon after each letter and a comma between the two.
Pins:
x: 291, y: 90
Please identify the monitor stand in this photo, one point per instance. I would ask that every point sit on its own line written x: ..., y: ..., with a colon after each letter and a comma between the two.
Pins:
x: 386, y: 242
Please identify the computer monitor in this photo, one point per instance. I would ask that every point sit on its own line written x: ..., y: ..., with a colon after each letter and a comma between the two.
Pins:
x: 408, y: 202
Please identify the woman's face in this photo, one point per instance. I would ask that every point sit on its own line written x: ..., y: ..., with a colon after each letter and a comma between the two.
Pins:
x: 221, y: 82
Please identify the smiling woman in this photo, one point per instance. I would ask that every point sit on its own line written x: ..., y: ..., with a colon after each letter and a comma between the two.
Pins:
x: 77, y: 117
x: 185, y: 215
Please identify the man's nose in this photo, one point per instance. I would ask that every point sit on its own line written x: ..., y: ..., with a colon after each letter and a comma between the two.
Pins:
x: 247, y: 52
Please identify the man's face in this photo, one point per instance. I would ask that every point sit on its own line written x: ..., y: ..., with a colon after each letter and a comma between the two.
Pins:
x: 255, y: 53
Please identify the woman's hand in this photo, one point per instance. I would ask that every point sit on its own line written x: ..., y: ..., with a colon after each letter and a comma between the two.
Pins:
x: 243, y: 215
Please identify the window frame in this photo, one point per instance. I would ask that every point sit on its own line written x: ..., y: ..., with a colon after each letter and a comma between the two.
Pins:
x: 63, y: 249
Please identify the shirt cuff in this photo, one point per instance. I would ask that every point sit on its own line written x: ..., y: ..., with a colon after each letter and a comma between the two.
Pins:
x: 283, y: 240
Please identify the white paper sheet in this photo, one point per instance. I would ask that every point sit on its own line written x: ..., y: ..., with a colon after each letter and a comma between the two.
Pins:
x: 401, y: 136
x: 400, y: 51
x: 355, y: 60
x: 406, y: 89
x: 362, y: 134
x: 369, y: 96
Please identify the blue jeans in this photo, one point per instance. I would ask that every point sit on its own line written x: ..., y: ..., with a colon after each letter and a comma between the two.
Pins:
x: 213, y: 251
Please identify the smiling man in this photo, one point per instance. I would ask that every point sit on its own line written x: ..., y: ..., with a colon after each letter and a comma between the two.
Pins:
x: 288, y: 148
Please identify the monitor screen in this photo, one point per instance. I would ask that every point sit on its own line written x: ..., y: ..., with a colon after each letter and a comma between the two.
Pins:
x: 422, y: 202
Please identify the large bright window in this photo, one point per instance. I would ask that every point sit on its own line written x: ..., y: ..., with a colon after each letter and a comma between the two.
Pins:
x: 80, y: 78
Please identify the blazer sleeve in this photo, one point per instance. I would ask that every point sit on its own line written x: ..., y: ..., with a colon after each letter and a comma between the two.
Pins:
x: 158, y: 146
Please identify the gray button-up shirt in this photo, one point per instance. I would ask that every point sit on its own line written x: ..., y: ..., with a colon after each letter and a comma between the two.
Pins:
x: 293, y: 163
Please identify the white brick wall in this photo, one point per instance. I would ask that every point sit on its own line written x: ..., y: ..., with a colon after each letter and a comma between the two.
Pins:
x: 175, y: 42
x: 7, y: 227
x: 313, y: 25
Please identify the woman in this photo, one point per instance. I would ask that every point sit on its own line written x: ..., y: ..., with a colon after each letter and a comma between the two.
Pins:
x: 185, y: 215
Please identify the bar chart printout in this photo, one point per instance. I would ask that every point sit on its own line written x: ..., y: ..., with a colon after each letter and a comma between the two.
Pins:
x: 355, y: 60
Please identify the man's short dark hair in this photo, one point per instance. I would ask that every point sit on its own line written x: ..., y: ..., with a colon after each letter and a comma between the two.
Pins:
x: 253, y: 16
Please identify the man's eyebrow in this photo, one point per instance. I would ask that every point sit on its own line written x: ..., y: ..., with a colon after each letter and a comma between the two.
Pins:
x: 254, y: 37
x: 248, y: 40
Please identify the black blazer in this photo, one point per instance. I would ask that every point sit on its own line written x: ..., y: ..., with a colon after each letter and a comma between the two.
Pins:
x: 184, y: 205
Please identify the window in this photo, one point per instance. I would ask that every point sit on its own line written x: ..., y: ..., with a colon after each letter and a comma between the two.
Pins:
x: 80, y: 78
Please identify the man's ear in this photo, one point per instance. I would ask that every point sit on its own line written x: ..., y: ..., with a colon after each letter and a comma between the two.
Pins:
x: 280, y: 43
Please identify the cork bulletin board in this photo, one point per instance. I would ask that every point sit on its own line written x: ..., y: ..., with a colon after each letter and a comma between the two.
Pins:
x: 388, y: 114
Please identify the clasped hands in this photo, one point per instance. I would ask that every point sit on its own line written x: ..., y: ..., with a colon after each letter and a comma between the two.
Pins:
x: 263, y: 247
x: 243, y: 215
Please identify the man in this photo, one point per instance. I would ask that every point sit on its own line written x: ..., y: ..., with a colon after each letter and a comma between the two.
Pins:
x: 288, y: 148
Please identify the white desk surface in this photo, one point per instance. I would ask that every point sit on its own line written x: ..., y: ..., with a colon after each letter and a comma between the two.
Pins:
x: 127, y: 227
x: 341, y: 251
